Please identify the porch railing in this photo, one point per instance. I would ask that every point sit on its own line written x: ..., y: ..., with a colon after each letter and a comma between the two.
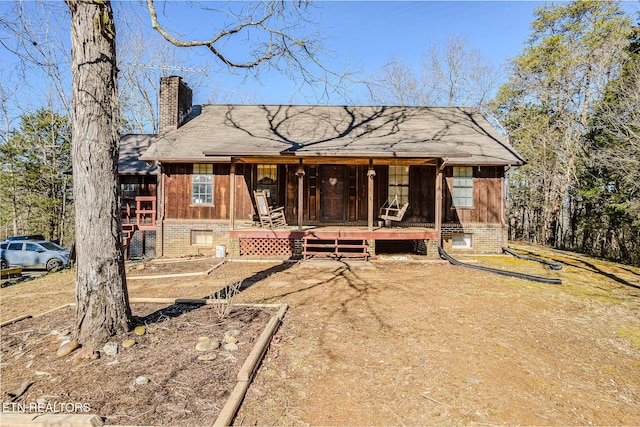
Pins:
x: 144, y: 211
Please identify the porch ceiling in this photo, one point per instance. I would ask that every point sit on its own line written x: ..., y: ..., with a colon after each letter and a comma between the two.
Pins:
x: 334, y: 160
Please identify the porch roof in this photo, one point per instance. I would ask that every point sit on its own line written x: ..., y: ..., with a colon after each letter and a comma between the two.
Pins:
x: 131, y: 147
x: 219, y: 132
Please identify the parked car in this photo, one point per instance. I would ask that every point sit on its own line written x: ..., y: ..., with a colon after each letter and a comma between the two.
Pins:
x: 33, y: 253
x: 27, y: 237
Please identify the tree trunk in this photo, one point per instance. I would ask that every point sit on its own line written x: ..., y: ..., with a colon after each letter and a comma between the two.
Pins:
x: 102, y: 308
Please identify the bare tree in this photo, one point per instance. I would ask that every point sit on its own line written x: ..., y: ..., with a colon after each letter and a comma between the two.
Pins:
x: 102, y: 302
x: 102, y: 305
x: 449, y: 75
x: 460, y: 76
x: 32, y: 32
x: 399, y: 85
x: 142, y: 61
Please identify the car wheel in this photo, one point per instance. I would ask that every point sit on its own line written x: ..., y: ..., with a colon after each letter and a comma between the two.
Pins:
x: 4, y: 264
x: 52, y: 264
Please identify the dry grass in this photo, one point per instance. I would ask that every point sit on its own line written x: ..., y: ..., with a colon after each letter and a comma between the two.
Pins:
x: 400, y: 342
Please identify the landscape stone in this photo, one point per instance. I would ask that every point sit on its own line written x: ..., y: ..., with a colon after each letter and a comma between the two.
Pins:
x: 67, y: 348
x: 208, y: 356
x: 207, y: 345
x: 128, y: 343
x: 200, y: 339
x: 111, y: 348
x: 86, y: 353
x: 230, y: 339
x: 142, y: 380
x: 140, y: 330
x: 230, y: 346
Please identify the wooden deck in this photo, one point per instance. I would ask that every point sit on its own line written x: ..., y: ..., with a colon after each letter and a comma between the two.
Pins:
x: 336, y: 232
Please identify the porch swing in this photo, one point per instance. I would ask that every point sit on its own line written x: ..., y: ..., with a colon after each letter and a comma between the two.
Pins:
x: 393, y: 211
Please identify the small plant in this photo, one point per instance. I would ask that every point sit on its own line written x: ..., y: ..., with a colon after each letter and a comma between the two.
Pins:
x: 223, y: 299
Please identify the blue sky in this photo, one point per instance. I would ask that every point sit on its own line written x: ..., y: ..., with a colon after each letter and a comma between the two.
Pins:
x: 367, y: 33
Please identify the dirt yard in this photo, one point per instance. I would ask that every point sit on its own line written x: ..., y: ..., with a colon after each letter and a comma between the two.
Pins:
x: 404, y: 341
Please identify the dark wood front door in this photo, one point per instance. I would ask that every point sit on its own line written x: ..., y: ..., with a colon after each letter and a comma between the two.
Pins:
x: 332, y: 204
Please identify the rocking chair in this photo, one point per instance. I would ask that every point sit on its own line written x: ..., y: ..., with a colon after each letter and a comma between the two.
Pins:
x: 269, y: 217
x: 393, y: 211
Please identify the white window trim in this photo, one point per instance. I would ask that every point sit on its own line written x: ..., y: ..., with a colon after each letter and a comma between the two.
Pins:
x: 466, y: 177
x: 395, y: 188
x: 195, y: 176
x: 465, y: 243
x: 208, y: 234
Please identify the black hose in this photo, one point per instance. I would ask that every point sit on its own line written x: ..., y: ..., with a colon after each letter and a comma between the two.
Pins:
x: 551, y: 265
x: 550, y: 280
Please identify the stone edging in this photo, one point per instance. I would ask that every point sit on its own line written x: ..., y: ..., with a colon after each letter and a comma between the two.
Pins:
x: 228, y: 412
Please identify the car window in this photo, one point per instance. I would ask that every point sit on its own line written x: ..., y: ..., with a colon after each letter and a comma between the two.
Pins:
x: 3, y: 245
x: 51, y: 246
x: 15, y: 246
x: 32, y: 247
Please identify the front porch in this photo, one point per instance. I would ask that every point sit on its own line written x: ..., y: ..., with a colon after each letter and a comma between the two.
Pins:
x: 334, y: 241
x: 335, y: 232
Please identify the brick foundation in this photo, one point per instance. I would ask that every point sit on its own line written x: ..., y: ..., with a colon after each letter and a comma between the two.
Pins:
x: 486, y: 238
x: 177, y: 237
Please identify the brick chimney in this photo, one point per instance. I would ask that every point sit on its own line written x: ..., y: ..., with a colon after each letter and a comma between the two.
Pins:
x: 175, y: 103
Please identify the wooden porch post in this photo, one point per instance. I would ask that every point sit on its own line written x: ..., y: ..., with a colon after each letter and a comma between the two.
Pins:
x: 503, y: 195
x: 300, y: 175
x: 160, y: 212
x: 370, y: 174
x: 438, y: 207
x: 232, y: 194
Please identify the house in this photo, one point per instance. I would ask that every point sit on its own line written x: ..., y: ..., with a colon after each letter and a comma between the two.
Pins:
x: 138, y: 184
x: 331, y: 168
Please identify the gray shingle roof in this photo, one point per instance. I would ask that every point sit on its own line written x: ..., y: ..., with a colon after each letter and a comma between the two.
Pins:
x: 131, y: 148
x: 221, y: 131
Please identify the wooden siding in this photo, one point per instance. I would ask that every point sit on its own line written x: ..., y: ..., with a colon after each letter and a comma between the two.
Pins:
x: 178, y: 193
x: 422, y: 194
x: 146, y: 183
x: 487, y: 197
x: 487, y: 193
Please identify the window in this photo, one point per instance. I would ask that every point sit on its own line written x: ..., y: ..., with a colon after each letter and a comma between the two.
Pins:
x: 462, y: 241
x: 398, y: 184
x: 15, y: 246
x: 51, y: 246
x: 129, y: 190
x: 202, y: 238
x: 202, y: 184
x: 462, y: 187
x: 32, y: 247
x: 267, y: 178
